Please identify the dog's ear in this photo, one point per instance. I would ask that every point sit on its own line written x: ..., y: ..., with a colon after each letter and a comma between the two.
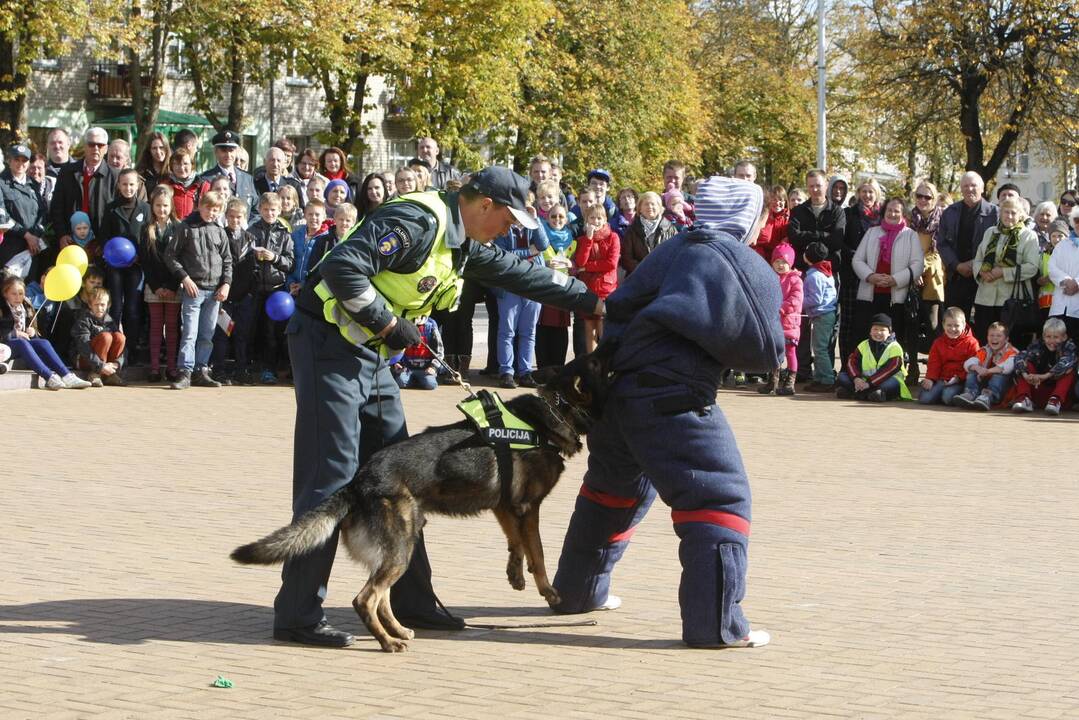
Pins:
x: 545, y: 375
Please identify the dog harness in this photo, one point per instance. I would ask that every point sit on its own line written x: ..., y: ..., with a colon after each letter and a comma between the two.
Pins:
x: 502, y: 430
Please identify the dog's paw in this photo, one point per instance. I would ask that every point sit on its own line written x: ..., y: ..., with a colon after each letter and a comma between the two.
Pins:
x: 551, y: 596
x: 515, y: 572
x: 401, y: 632
x: 391, y: 645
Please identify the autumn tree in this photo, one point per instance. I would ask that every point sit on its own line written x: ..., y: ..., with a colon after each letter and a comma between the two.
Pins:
x: 988, y: 69
x: 150, y: 21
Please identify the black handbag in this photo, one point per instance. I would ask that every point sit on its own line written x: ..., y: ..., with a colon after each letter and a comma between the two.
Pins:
x: 1020, y: 312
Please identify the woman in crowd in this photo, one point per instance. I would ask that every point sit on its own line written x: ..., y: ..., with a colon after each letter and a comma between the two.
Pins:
x: 1044, y: 215
x: 649, y: 229
x: 888, y: 260
x: 153, y: 163
x: 25, y: 208
x: 861, y: 217
x: 774, y: 230
x: 924, y: 220
x: 1007, y: 256
x: 372, y: 194
x: 333, y: 165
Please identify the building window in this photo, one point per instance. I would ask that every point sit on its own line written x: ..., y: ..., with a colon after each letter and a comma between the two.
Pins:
x: 1045, y: 191
x: 293, y: 77
x: 1019, y: 164
x: 175, y: 63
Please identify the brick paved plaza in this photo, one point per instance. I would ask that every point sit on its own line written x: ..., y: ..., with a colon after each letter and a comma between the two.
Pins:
x: 908, y: 575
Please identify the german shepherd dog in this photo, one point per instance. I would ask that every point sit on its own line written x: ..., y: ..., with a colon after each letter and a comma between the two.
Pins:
x: 448, y: 470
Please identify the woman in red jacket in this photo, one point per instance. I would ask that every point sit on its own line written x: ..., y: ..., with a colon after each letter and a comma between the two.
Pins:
x: 597, y: 253
x: 774, y: 229
x: 183, y: 182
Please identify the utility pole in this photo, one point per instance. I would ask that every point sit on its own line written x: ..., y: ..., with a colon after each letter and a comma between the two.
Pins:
x: 822, y: 122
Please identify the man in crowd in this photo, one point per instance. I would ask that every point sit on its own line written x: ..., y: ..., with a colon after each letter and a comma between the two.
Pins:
x: 273, y: 177
x: 745, y: 170
x: 58, y: 151
x: 962, y: 225
x: 441, y: 172
x: 87, y: 185
x: 226, y: 147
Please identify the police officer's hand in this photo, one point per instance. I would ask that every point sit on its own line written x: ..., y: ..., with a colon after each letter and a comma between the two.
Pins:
x: 402, y: 334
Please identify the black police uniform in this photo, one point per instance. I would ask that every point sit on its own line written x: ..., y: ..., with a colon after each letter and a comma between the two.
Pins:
x: 347, y: 403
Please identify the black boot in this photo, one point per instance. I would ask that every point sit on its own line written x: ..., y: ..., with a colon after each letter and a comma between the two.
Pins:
x: 771, y: 385
x: 413, y: 599
x: 446, y: 377
x: 786, y: 383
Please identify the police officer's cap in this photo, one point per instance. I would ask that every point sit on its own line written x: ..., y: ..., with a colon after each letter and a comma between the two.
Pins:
x: 507, y: 188
x: 19, y: 150
x: 227, y: 138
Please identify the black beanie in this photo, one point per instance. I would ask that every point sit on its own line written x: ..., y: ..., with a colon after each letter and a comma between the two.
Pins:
x: 881, y: 319
x: 815, y: 252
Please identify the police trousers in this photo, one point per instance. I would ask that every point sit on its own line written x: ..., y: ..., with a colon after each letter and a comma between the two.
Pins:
x: 347, y: 408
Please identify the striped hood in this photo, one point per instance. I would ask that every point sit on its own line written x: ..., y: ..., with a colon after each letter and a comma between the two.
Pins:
x: 731, y: 206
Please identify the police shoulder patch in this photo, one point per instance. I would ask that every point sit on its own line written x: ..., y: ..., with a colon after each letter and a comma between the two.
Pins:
x: 389, y: 243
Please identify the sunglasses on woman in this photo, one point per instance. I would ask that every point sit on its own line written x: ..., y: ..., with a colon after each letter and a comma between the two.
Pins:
x: 923, y: 197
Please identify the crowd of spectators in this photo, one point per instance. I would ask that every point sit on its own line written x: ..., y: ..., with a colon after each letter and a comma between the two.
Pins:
x: 877, y: 283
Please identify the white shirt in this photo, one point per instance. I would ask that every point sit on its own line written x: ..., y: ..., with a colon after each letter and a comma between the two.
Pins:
x: 1064, y: 265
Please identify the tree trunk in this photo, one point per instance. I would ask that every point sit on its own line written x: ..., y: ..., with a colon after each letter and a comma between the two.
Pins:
x: 13, y: 89
x: 972, y: 86
x: 236, y: 94
x: 354, y: 139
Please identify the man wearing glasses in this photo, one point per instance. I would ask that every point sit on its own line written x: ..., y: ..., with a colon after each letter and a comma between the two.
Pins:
x: 87, y: 185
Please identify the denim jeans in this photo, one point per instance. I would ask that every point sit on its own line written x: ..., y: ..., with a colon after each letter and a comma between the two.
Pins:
x: 822, y: 332
x: 889, y: 387
x: 199, y: 318
x: 996, y: 386
x: 416, y: 378
x: 517, y: 318
x: 941, y: 392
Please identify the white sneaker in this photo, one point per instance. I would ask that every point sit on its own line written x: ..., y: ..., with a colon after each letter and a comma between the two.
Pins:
x: 1023, y: 406
x: 74, y: 382
x: 54, y: 382
x: 613, y: 602
x: 756, y: 638
x: 983, y: 402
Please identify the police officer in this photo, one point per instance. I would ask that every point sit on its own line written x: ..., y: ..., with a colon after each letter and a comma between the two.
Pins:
x: 699, y: 303
x: 356, y: 308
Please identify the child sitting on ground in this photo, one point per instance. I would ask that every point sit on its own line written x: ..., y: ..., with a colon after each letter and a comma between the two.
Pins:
x: 1045, y: 371
x: 18, y: 332
x: 944, y: 372
x: 877, y: 369
x: 99, y: 344
x: 415, y: 366
x: 781, y: 382
x: 989, y: 373
x: 820, y: 303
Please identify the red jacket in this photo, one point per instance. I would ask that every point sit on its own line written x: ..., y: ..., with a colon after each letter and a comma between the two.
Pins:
x: 773, y: 232
x: 183, y: 198
x: 946, y: 356
x: 597, y: 261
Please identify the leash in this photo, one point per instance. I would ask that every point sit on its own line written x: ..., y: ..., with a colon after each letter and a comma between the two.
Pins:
x: 532, y: 626
x: 460, y: 379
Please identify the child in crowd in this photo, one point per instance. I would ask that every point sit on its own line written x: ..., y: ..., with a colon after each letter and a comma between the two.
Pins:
x: 99, y: 344
x: 237, y: 316
x: 124, y: 217
x: 223, y: 188
x: 273, y: 262
x: 796, y: 197
x: 945, y: 370
x: 415, y: 366
x: 548, y: 195
x: 83, y: 235
x: 585, y: 199
x: 517, y: 316
x: 679, y: 212
x: 877, y: 369
x: 552, y: 330
x: 597, y: 259
x: 627, y: 211
x: 316, y: 189
x: 1045, y: 371
x: 790, y: 318
x: 337, y: 192
x: 989, y: 373
x: 160, y: 289
x: 820, y: 304
x: 184, y: 183
x: 18, y: 333
x: 1058, y: 230
x: 303, y: 242
x: 291, y: 212
x: 202, y: 262
x: 344, y: 220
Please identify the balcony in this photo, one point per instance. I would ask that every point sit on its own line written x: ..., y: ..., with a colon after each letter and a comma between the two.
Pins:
x: 110, y: 84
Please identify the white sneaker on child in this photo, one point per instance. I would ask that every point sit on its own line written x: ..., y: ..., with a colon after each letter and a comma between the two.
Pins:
x: 54, y: 382
x: 1023, y: 406
x: 74, y: 382
x: 982, y: 402
x: 755, y: 638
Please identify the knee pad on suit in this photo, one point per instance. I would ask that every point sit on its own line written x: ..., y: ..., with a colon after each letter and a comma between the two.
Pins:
x: 598, y: 535
x: 713, y: 583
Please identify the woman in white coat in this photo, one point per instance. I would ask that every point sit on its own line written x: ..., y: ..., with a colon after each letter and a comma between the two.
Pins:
x: 887, y: 261
x: 1064, y: 274
x: 1007, y: 256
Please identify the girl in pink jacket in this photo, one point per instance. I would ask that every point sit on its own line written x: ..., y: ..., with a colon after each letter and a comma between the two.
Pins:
x: 781, y: 382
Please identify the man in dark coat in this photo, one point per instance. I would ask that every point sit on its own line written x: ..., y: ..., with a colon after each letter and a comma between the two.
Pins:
x: 87, y: 185
x: 962, y: 226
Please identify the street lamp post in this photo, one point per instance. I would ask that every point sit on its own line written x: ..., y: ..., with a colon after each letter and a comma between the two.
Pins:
x: 822, y: 122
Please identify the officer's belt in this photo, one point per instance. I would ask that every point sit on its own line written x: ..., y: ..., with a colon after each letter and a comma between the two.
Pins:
x: 686, y: 399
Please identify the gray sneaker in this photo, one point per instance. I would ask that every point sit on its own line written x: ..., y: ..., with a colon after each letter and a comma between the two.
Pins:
x: 1023, y: 406
x: 964, y: 400
x: 982, y: 402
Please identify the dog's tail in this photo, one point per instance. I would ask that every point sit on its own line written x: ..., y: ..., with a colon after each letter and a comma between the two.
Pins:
x: 309, y: 531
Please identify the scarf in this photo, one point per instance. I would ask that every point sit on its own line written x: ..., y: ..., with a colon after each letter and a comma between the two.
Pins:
x: 339, y: 175
x: 824, y: 267
x: 559, y: 239
x: 1008, y: 252
x: 649, y: 226
x: 185, y: 184
x: 891, y: 232
x: 18, y: 314
x: 870, y: 217
x: 927, y: 224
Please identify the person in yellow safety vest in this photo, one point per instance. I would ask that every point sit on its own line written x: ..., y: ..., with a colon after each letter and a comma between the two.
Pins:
x: 357, y: 307
x: 877, y: 369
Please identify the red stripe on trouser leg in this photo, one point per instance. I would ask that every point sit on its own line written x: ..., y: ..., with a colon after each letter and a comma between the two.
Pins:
x: 715, y: 517
x: 606, y: 500
x: 622, y: 536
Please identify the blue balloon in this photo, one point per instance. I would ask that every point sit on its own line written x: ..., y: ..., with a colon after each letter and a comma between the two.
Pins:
x: 120, y: 252
x: 280, y: 306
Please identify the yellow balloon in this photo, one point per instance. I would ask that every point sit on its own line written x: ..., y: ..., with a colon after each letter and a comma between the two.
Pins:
x: 62, y: 283
x: 75, y: 256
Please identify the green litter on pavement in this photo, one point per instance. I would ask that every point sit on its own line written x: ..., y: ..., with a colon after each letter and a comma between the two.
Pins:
x: 221, y: 682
